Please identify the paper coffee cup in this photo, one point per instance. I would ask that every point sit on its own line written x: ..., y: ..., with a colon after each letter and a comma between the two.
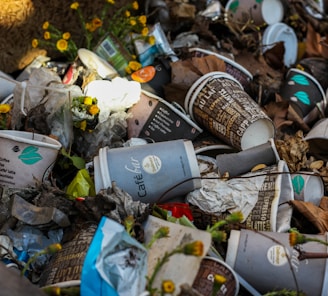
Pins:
x: 26, y: 158
x: 154, y: 118
x: 308, y: 187
x: 211, y: 266
x: 65, y: 266
x: 305, y: 95
x: 260, y: 13
x: 150, y: 173
x: 217, y: 102
x: 268, y: 262
x: 242, y: 162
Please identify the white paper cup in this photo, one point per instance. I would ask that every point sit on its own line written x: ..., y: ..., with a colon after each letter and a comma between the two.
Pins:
x: 260, y: 13
x: 151, y: 173
x: 26, y: 158
x: 261, y: 258
x: 308, y: 187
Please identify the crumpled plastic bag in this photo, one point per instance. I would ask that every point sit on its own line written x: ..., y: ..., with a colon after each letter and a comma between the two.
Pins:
x: 115, y: 264
x: 82, y: 185
x: 44, y: 87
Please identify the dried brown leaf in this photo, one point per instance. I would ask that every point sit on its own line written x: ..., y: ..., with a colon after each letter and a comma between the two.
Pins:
x: 317, y: 165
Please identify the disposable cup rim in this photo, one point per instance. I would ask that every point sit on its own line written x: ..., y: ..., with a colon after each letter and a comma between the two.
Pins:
x: 226, y: 265
x: 313, y: 79
x: 225, y: 59
x: 200, y: 82
x: 24, y: 137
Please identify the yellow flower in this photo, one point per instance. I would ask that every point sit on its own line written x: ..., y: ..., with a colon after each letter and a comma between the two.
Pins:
x: 75, y: 5
x: 168, y: 286
x: 45, y: 25
x: 134, y: 65
x: 127, y: 13
x: 142, y: 19
x: 55, y: 291
x: 219, y: 235
x: 296, y: 238
x: 5, y: 108
x: 219, y: 279
x: 89, y: 27
x: 235, y: 217
x: 93, y: 110
x: 96, y: 22
x: 135, y: 5
x: 162, y: 232
x: 83, y: 125
x: 66, y: 35
x: 35, y: 43
x: 151, y: 40
x: 111, y: 2
x: 46, y: 35
x: 87, y: 101
x: 195, y: 248
x: 53, y: 248
x: 128, y: 70
x: 133, y: 22
x: 62, y: 45
x: 144, y: 31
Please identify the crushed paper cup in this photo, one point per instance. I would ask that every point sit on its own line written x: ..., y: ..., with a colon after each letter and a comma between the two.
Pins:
x: 317, y: 138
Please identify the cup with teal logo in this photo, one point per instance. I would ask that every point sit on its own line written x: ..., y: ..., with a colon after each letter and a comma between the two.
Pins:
x: 305, y: 95
x: 308, y: 187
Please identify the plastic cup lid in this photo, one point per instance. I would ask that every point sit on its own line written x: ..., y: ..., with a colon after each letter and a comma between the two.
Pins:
x: 272, y: 11
x: 281, y: 32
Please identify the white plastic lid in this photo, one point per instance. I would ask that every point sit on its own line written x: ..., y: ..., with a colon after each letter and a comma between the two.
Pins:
x: 272, y: 11
x: 281, y: 32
